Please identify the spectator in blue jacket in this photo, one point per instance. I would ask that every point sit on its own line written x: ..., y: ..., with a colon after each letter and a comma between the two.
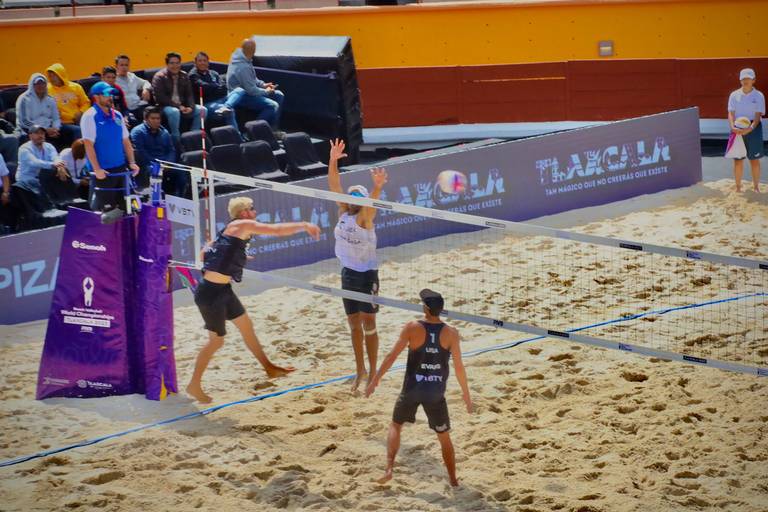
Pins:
x: 247, y: 91
x: 213, y: 87
x: 153, y: 142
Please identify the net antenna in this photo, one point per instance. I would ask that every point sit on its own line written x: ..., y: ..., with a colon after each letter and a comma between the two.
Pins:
x: 665, y: 302
x: 207, y: 184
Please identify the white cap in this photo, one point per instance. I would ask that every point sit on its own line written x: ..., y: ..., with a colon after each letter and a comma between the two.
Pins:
x: 361, y: 190
x: 747, y: 73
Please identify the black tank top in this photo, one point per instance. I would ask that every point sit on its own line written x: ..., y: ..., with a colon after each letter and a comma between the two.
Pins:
x: 226, y: 256
x: 426, y: 373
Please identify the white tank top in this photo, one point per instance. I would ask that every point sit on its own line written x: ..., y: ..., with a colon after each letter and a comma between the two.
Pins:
x: 355, y: 246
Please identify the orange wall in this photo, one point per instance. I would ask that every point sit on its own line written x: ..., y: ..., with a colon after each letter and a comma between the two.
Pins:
x: 405, y: 36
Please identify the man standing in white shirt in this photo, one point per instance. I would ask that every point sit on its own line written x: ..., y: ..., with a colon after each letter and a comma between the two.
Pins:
x: 750, y: 103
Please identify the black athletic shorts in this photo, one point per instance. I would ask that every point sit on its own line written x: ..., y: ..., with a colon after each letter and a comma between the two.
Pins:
x: 363, y: 282
x: 217, y: 303
x: 437, y: 413
x: 754, y: 143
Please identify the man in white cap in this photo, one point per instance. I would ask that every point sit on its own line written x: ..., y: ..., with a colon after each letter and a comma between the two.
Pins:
x: 355, y: 236
x: 750, y: 103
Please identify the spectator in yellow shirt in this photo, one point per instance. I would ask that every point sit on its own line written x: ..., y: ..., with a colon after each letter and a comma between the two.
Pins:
x: 71, y: 101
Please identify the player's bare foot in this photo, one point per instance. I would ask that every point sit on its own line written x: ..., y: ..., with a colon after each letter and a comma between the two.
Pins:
x: 278, y: 371
x: 358, y: 380
x: 454, y: 482
x: 386, y: 478
x: 196, y: 392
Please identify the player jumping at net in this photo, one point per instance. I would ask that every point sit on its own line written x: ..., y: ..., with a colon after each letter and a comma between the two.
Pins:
x: 356, y: 249
x: 223, y: 262
x: 431, y: 343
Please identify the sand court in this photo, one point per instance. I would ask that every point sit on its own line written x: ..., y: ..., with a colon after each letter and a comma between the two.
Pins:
x: 558, y: 426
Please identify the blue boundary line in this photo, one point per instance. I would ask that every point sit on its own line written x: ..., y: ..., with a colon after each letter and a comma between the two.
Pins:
x: 470, y: 353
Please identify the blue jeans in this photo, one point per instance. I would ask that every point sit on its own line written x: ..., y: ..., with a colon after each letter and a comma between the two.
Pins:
x: 230, y: 118
x: 267, y: 106
x: 173, y: 115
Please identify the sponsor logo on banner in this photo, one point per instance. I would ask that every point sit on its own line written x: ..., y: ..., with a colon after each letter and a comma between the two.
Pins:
x: 83, y: 383
x: 428, y: 378
x: 180, y: 210
x: 597, y: 167
x: 146, y: 260
x: 87, y: 317
x: 88, y: 287
x: 87, y: 247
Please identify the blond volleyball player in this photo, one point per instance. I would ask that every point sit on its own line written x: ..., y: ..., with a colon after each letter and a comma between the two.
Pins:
x: 355, y: 236
x: 223, y: 262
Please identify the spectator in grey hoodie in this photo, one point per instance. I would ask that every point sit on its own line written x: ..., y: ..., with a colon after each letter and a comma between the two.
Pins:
x: 37, y: 108
x: 247, y: 91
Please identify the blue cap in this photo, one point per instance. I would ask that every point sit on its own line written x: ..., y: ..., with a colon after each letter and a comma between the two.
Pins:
x: 102, y: 89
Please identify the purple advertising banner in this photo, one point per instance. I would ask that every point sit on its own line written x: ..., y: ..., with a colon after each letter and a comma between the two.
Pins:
x: 513, y: 181
x: 86, y: 351
x: 153, y: 365
x: 516, y: 181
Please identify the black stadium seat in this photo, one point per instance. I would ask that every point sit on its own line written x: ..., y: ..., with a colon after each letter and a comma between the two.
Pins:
x: 192, y: 158
x: 34, y: 211
x: 226, y: 158
x: 259, y: 161
x: 260, y: 130
x: 193, y: 141
x: 225, y: 135
x: 303, y: 161
x: 61, y: 193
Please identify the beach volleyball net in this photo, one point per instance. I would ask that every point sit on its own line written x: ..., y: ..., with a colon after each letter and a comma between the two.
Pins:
x: 665, y: 302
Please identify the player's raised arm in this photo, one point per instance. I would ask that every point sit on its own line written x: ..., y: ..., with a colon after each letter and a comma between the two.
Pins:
x: 379, y: 178
x: 336, y: 154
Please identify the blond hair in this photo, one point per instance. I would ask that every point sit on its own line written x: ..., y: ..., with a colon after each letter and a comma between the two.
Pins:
x: 237, y: 205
